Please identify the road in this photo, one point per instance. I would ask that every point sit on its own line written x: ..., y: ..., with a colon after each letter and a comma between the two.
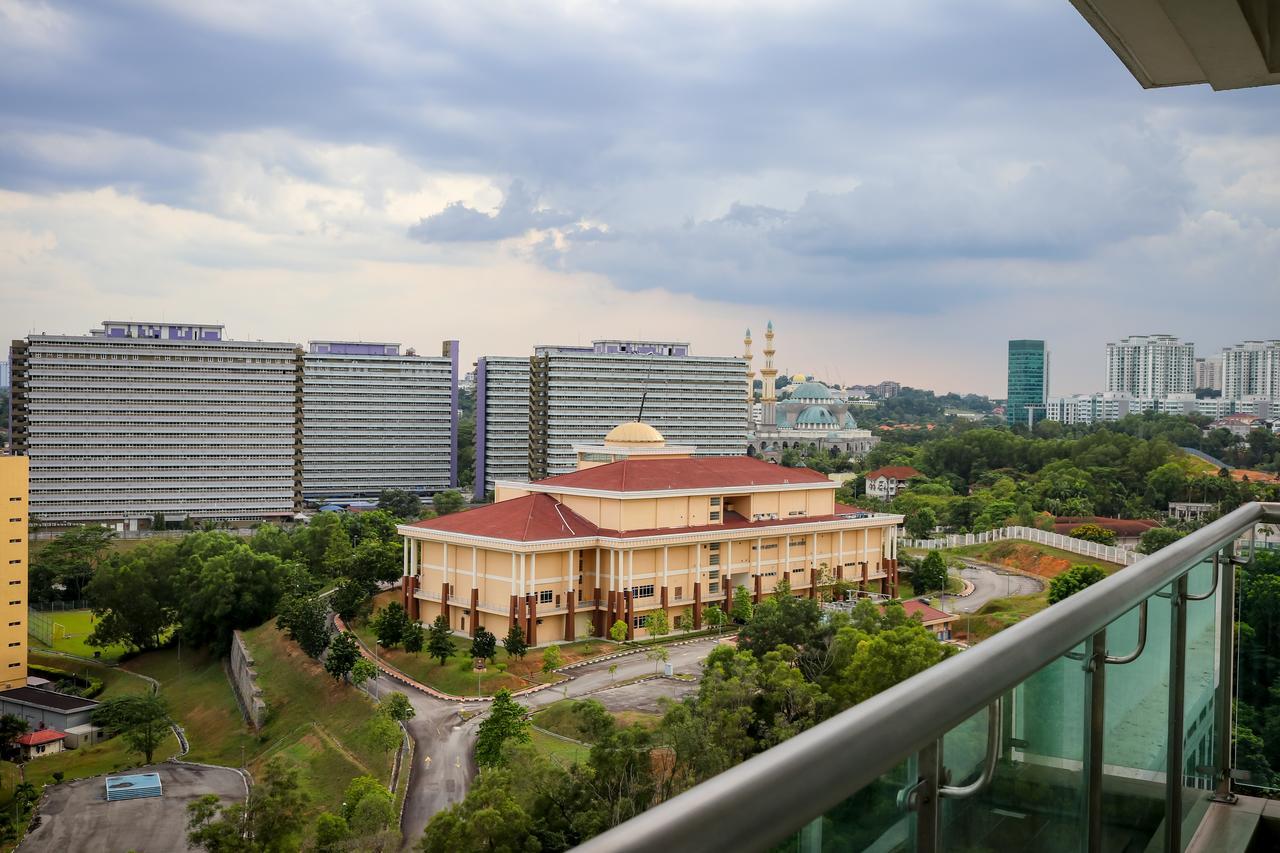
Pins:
x: 990, y: 583
x: 443, y: 763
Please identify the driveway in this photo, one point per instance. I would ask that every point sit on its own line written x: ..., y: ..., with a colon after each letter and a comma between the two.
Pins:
x: 76, y: 817
x: 989, y: 583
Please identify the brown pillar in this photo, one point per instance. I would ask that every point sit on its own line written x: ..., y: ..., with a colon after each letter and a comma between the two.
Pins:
x: 475, y: 610
x: 865, y: 571
x: 528, y: 624
x: 697, y: 605
x: 664, y: 598
x: 629, y: 611
x: 813, y: 587
x: 444, y: 601
x: 598, y: 616
x: 512, y: 622
x: 839, y: 571
x: 411, y: 600
x: 759, y: 588
x: 533, y: 619
x: 569, y: 627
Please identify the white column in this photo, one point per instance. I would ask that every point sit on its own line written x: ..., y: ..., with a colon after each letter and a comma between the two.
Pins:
x: 840, y: 545
x: 631, y: 568
x: 865, y: 532
x: 513, y: 574
x: 597, y: 565
x: 533, y: 573
x: 759, y: 553
x: 473, y: 567
x: 405, y: 550
x: 573, y: 571
x: 444, y: 567
x: 786, y: 549
x: 666, y: 563
x: 413, y: 558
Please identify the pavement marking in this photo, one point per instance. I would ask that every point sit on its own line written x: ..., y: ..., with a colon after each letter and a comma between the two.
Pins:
x: 457, y: 762
x: 427, y: 761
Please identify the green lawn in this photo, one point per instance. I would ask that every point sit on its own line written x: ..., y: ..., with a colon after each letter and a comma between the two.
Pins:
x: 71, y: 637
x: 106, y: 757
x: 116, y: 681
x: 559, y: 717
x: 1000, y: 613
x: 561, y: 751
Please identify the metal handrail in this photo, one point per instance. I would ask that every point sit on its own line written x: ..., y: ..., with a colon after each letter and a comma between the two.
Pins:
x: 1142, y: 640
x: 961, y: 792
x: 1205, y: 596
x: 766, y: 799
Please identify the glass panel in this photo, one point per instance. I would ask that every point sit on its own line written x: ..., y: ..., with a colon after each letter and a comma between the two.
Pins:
x: 872, y: 819
x: 1256, y: 742
x: 1035, y: 800
x: 1199, y: 718
x: 1137, y: 725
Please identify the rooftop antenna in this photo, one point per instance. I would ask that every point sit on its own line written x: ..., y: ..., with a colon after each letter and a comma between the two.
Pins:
x: 643, y: 396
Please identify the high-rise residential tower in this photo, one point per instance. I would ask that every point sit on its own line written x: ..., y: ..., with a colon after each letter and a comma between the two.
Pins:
x: 14, y: 551
x: 1151, y: 366
x: 1209, y: 373
x: 571, y: 395
x: 374, y: 418
x: 1028, y: 380
x: 1251, y: 369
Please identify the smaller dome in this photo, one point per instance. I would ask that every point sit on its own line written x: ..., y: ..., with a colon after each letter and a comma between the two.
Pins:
x: 799, y: 378
x: 815, y: 416
x: 635, y: 434
x: 812, y: 391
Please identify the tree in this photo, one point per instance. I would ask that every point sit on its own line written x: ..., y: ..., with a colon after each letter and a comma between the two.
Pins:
x: 389, y: 624
x: 1094, y: 533
x: 505, y: 722
x: 363, y: 670
x: 656, y: 624
x: 351, y: 598
x: 686, y: 619
x: 448, y: 502
x: 659, y: 655
x: 69, y: 560
x: 375, y: 560
x: 134, y: 596
x: 515, y: 643
x: 484, y: 645
x: 343, y: 653
x: 270, y: 820
x: 1073, y: 580
x: 783, y: 620
x: 384, y: 732
x: 618, y: 631
x: 414, y: 638
x: 931, y: 576
x: 920, y: 524
x: 306, y: 620
x: 715, y: 617
x: 396, y: 706
x: 1158, y: 537
x: 12, y: 727
x: 142, y: 720
x: 489, y: 818
x: 440, y: 646
x: 403, y: 505
x: 551, y: 659
x: 226, y: 586
x: 742, y: 606
x: 331, y: 833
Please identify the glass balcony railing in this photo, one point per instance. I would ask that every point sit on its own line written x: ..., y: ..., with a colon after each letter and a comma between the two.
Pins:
x: 1102, y: 723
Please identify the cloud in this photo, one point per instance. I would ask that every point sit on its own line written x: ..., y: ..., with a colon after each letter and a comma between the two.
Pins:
x: 518, y: 215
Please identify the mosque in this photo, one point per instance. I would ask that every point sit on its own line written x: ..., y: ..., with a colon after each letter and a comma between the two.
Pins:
x: 812, y: 417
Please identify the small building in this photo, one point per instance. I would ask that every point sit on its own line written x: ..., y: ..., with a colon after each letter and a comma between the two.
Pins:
x: 885, y: 483
x: 1128, y: 531
x: 47, y: 709
x: 1188, y: 511
x: 1239, y: 425
x: 937, y: 621
x: 40, y: 743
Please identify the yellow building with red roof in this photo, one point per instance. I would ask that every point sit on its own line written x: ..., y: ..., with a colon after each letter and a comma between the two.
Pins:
x: 641, y: 526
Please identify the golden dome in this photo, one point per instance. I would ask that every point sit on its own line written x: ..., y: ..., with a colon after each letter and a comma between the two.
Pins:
x: 634, y: 434
x: 799, y: 377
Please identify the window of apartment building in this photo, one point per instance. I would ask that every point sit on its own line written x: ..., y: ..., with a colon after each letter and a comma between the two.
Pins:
x: 713, y: 587
x: 11, y: 666
x: 12, y: 645
x: 15, y: 624
x: 637, y: 622
x: 545, y: 596
x: 15, y: 582
x: 16, y: 520
x: 713, y: 575
x: 715, y: 515
x: 18, y: 601
x: 642, y: 591
x: 715, y: 502
x: 715, y: 560
x: 15, y: 541
x: 11, y: 500
x: 14, y: 562
x: 679, y: 592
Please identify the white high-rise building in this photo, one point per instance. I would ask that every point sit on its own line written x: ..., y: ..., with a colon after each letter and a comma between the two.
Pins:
x: 143, y: 420
x: 374, y: 419
x: 1209, y: 373
x: 502, y: 421
x: 534, y: 410
x: 1151, y: 366
x: 1251, y: 369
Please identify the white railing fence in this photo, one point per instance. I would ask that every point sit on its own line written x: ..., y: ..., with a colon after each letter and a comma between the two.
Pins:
x: 1109, y: 553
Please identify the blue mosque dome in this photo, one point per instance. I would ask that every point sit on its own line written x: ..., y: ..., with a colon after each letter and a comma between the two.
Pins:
x: 812, y: 391
x: 816, y: 416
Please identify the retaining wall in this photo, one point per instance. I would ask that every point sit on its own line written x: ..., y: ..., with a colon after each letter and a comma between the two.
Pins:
x: 244, y: 678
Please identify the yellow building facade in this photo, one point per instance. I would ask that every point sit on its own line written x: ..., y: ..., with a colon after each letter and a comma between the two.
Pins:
x: 654, y: 529
x: 14, y: 550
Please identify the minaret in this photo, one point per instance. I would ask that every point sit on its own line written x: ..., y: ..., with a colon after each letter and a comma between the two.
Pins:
x: 769, y: 375
x: 751, y: 377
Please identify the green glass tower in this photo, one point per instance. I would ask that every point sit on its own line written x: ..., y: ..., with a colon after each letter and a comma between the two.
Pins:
x: 1028, y: 379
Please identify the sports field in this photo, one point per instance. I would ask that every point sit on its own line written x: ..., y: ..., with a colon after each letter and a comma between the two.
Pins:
x: 69, y: 631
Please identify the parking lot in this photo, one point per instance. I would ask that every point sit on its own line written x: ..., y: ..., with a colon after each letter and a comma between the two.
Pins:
x: 76, y: 817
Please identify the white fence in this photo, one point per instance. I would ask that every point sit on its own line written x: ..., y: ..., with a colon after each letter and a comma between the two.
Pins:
x: 1109, y: 553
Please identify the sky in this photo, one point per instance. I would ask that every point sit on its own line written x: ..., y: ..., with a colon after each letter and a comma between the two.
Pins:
x: 900, y: 187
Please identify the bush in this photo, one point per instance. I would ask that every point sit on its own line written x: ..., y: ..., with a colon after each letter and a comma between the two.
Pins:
x: 1094, y: 533
x: 1073, y: 580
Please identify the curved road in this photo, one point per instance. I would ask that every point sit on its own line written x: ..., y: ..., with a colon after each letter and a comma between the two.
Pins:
x: 443, y: 762
x: 992, y: 582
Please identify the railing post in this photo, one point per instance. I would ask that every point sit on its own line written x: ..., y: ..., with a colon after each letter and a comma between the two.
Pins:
x: 928, y: 807
x: 1177, y: 690
x: 1095, y: 709
x: 1226, y: 672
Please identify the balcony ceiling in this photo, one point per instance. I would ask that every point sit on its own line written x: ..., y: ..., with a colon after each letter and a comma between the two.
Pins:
x: 1229, y: 44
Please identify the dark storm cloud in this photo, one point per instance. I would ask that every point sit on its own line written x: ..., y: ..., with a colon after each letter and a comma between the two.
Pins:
x: 518, y: 215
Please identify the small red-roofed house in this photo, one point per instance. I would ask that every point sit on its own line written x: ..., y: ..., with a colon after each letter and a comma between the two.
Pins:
x: 885, y: 483
x: 40, y: 743
x: 937, y: 621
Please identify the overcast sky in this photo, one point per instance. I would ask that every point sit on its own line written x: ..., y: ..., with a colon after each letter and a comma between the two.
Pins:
x: 900, y: 186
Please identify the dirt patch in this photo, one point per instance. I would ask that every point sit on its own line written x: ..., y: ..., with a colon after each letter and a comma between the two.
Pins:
x: 1027, y: 558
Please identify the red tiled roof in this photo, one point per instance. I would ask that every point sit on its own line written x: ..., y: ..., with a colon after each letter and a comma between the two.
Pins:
x: 927, y: 613
x: 538, y: 517
x: 1121, y: 526
x: 897, y: 472
x: 41, y: 736
x: 699, y: 472
x: 531, y: 518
